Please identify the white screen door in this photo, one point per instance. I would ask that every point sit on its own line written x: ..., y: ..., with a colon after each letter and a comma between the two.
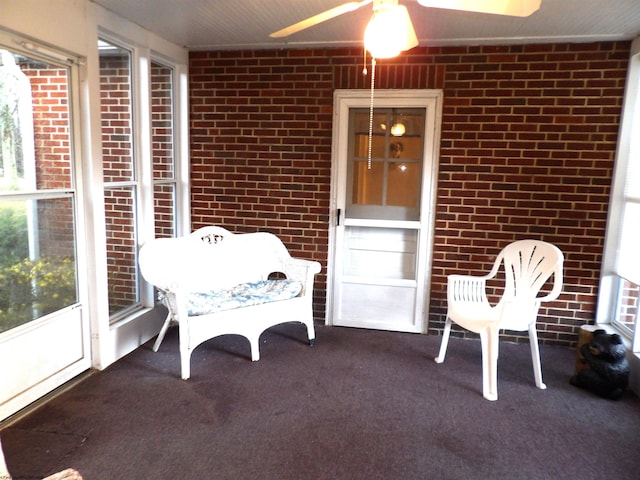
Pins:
x: 383, y: 197
x: 44, y: 330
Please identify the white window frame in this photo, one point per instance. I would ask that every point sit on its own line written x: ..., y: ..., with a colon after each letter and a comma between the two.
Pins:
x: 614, y: 269
x: 114, y: 339
x: 180, y: 83
x: 140, y: 152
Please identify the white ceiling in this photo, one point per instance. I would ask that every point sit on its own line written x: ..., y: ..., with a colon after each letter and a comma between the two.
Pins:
x: 246, y: 24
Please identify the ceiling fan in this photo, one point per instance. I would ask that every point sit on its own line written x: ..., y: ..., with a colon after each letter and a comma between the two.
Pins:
x: 390, y: 30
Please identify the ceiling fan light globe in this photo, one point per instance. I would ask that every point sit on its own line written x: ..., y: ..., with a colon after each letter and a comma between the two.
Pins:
x: 389, y: 32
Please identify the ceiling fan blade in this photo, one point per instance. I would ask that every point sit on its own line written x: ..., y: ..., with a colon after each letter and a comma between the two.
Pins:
x: 516, y: 8
x: 319, y: 18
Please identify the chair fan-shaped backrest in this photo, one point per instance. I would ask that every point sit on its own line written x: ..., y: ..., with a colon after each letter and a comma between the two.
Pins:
x: 528, y: 266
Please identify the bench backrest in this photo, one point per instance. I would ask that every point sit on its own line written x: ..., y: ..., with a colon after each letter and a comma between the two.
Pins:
x: 210, y: 258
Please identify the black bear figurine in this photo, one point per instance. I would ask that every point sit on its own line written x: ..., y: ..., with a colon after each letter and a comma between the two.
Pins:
x: 607, y: 372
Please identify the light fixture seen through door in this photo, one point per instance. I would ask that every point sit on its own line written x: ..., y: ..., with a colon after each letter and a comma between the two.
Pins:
x: 390, y: 30
x: 398, y: 129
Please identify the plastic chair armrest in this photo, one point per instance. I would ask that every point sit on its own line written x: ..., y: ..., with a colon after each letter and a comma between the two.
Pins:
x: 466, y: 288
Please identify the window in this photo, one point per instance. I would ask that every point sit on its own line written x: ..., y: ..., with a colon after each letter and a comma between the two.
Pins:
x: 620, y: 281
x: 163, y: 149
x: 140, y: 168
x: 121, y: 189
x: 384, y: 181
x: 38, y: 274
x: 628, y: 266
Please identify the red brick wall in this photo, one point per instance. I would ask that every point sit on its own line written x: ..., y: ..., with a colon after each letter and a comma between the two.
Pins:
x: 527, y: 150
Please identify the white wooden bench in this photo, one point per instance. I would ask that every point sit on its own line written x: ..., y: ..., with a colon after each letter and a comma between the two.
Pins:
x: 215, y: 282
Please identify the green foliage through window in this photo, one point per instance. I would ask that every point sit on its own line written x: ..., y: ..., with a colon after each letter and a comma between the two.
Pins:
x: 29, y: 288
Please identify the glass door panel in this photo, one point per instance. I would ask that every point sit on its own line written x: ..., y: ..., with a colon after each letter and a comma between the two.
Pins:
x: 386, y: 183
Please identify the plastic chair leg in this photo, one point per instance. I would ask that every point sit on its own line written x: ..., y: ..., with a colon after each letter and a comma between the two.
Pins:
x: 535, y: 356
x: 445, y: 341
x: 489, y: 340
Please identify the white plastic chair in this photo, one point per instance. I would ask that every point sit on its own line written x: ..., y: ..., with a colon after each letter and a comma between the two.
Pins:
x: 528, y: 265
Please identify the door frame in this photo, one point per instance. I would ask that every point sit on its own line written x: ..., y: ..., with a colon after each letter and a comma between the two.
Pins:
x: 345, y: 99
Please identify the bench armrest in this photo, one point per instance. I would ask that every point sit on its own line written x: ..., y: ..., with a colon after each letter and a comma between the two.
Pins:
x: 301, y: 270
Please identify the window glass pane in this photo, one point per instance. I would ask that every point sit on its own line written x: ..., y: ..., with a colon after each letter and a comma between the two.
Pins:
x: 119, y: 178
x: 35, y: 150
x: 632, y: 184
x: 367, y: 183
x: 37, y: 259
x: 407, y: 123
x: 116, y: 102
x: 389, y: 186
x: 627, y: 310
x: 361, y: 134
x: 164, y: 210
x: 121, y: 249
x: 406, y: 148
x: 628, y: 257
x: 163, y: 151
x: 162, y: 121
x: 404, y: 184
x: 632, y: 180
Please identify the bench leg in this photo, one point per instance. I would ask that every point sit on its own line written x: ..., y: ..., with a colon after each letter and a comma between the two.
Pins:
x: 254, y: 343
x: 162, y: 333
x: 185, y: 365
x: 311, y: 332
x: 185, y: 352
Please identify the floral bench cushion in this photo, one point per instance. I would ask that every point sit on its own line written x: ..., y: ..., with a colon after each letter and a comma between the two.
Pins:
x: 243, y: 295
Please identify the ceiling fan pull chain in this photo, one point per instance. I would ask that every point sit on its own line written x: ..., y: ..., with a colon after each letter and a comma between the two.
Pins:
x: 364, y: 62
x: 373, y: 78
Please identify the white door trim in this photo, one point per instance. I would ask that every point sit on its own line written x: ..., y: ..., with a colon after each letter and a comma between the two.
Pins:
x: 343, y: 101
